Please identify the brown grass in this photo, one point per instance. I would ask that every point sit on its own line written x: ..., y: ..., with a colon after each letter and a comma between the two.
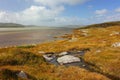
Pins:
x: 104, y: 64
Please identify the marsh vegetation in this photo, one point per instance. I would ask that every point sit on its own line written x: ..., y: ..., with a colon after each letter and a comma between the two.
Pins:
x: 102, y: 58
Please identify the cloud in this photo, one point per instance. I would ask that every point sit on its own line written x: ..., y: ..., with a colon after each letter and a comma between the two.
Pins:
x: 114, y: 17
x: 53, y: 3
x: 39, y: 15
x: 117, y: 10
x: 104, y: 18
x: 34, y: 15
x: 68, y: 20
x: 101, y: 12
x: 43, y: 12
x: 8, y: 17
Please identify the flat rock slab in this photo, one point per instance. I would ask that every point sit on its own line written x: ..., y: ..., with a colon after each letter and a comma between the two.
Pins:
x: 68, y: 59
x: 63, y: 53
x: 49, y: 57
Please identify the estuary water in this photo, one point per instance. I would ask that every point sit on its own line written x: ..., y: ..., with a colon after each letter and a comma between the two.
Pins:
x: 26, y: 36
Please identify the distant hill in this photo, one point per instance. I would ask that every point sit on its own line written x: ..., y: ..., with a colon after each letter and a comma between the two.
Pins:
x: 10, y: 25
x: 102, y: 25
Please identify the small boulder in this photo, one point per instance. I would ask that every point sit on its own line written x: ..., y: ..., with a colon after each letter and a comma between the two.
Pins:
x: 84, y: 34
x: 22, y: 74
x: 63, y: 53
x: 41, y: 52
x: 73, y: 39
x: 84, y: 31
x: 98, y: 51
x: 68, y: 59
x: 114, y: 33
x: 116, y: 44
x: 49, y: 57
x: 83, y: 65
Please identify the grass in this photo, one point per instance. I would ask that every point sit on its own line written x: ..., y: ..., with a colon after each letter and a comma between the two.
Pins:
x: 104, y: 65
x: 26, y: 46
x: 19, y: 57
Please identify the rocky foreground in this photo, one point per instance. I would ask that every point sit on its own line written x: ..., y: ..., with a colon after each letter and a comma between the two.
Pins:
x: 90, y: 53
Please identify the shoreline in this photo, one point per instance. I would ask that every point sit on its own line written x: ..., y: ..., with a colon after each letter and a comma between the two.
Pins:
x: 12, y: 38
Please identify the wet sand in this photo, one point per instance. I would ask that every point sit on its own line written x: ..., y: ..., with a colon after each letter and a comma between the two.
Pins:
x: 29, y: 36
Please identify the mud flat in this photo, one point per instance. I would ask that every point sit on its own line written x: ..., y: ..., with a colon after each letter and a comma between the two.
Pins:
x: 27, y: 36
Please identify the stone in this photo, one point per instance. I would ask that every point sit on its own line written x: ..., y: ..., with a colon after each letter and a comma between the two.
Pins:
x: 73, y: 39
x: 22, y: 74
x: 98, y: 51
x: 63, y: 53
x: 83, y: 65
x: 67, y: 59
x: 49, y: 57
x: 84, y: 34
x: 114, y: 33
x: 34, y: 44
x: 116, y: 44
x: 84, y: 31
x: 80, y: 53
x: 41, y: 52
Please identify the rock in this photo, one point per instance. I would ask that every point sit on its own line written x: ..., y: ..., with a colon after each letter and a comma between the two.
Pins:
x: 81, y: 53
x: 41, y: 52
x: 49, y: 57
x: 33, y: 44
x: 98, y: 51
x: 84, y: 34
x: 73, y: 39
x: 116, y: 44
x: 84, y: 31
x: 83, y: 65
x: 22, y: 74
x: 67, y: 59
x: 114, y: 33
x: 63, y: 53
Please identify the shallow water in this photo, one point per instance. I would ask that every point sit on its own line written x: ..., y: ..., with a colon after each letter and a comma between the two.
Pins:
x: 15, y: 37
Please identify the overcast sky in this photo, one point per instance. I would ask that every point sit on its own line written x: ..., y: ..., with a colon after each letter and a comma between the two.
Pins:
x: 59, y: 12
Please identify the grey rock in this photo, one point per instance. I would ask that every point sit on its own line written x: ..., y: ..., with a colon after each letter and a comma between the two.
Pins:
x: 98, y: 51
x: 84, y: 34
x: 49, y: 57
x: 41, y: 52
x: 116, y: 44
x: 114, y: 33
x: 63, y: 53
x: 73, y: 39
x: 67, y: 59
x: 22, y: 74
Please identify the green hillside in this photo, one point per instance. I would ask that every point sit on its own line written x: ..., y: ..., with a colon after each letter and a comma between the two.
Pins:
x: 10, y: 25
x: 102, y: 25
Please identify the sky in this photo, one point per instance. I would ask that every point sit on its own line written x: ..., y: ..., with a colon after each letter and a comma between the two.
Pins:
x: 59, y: 12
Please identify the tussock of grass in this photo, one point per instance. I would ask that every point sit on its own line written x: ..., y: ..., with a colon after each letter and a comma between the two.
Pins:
x: 108, y: 61
x: 26, y: 46
x: 19, y: 57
